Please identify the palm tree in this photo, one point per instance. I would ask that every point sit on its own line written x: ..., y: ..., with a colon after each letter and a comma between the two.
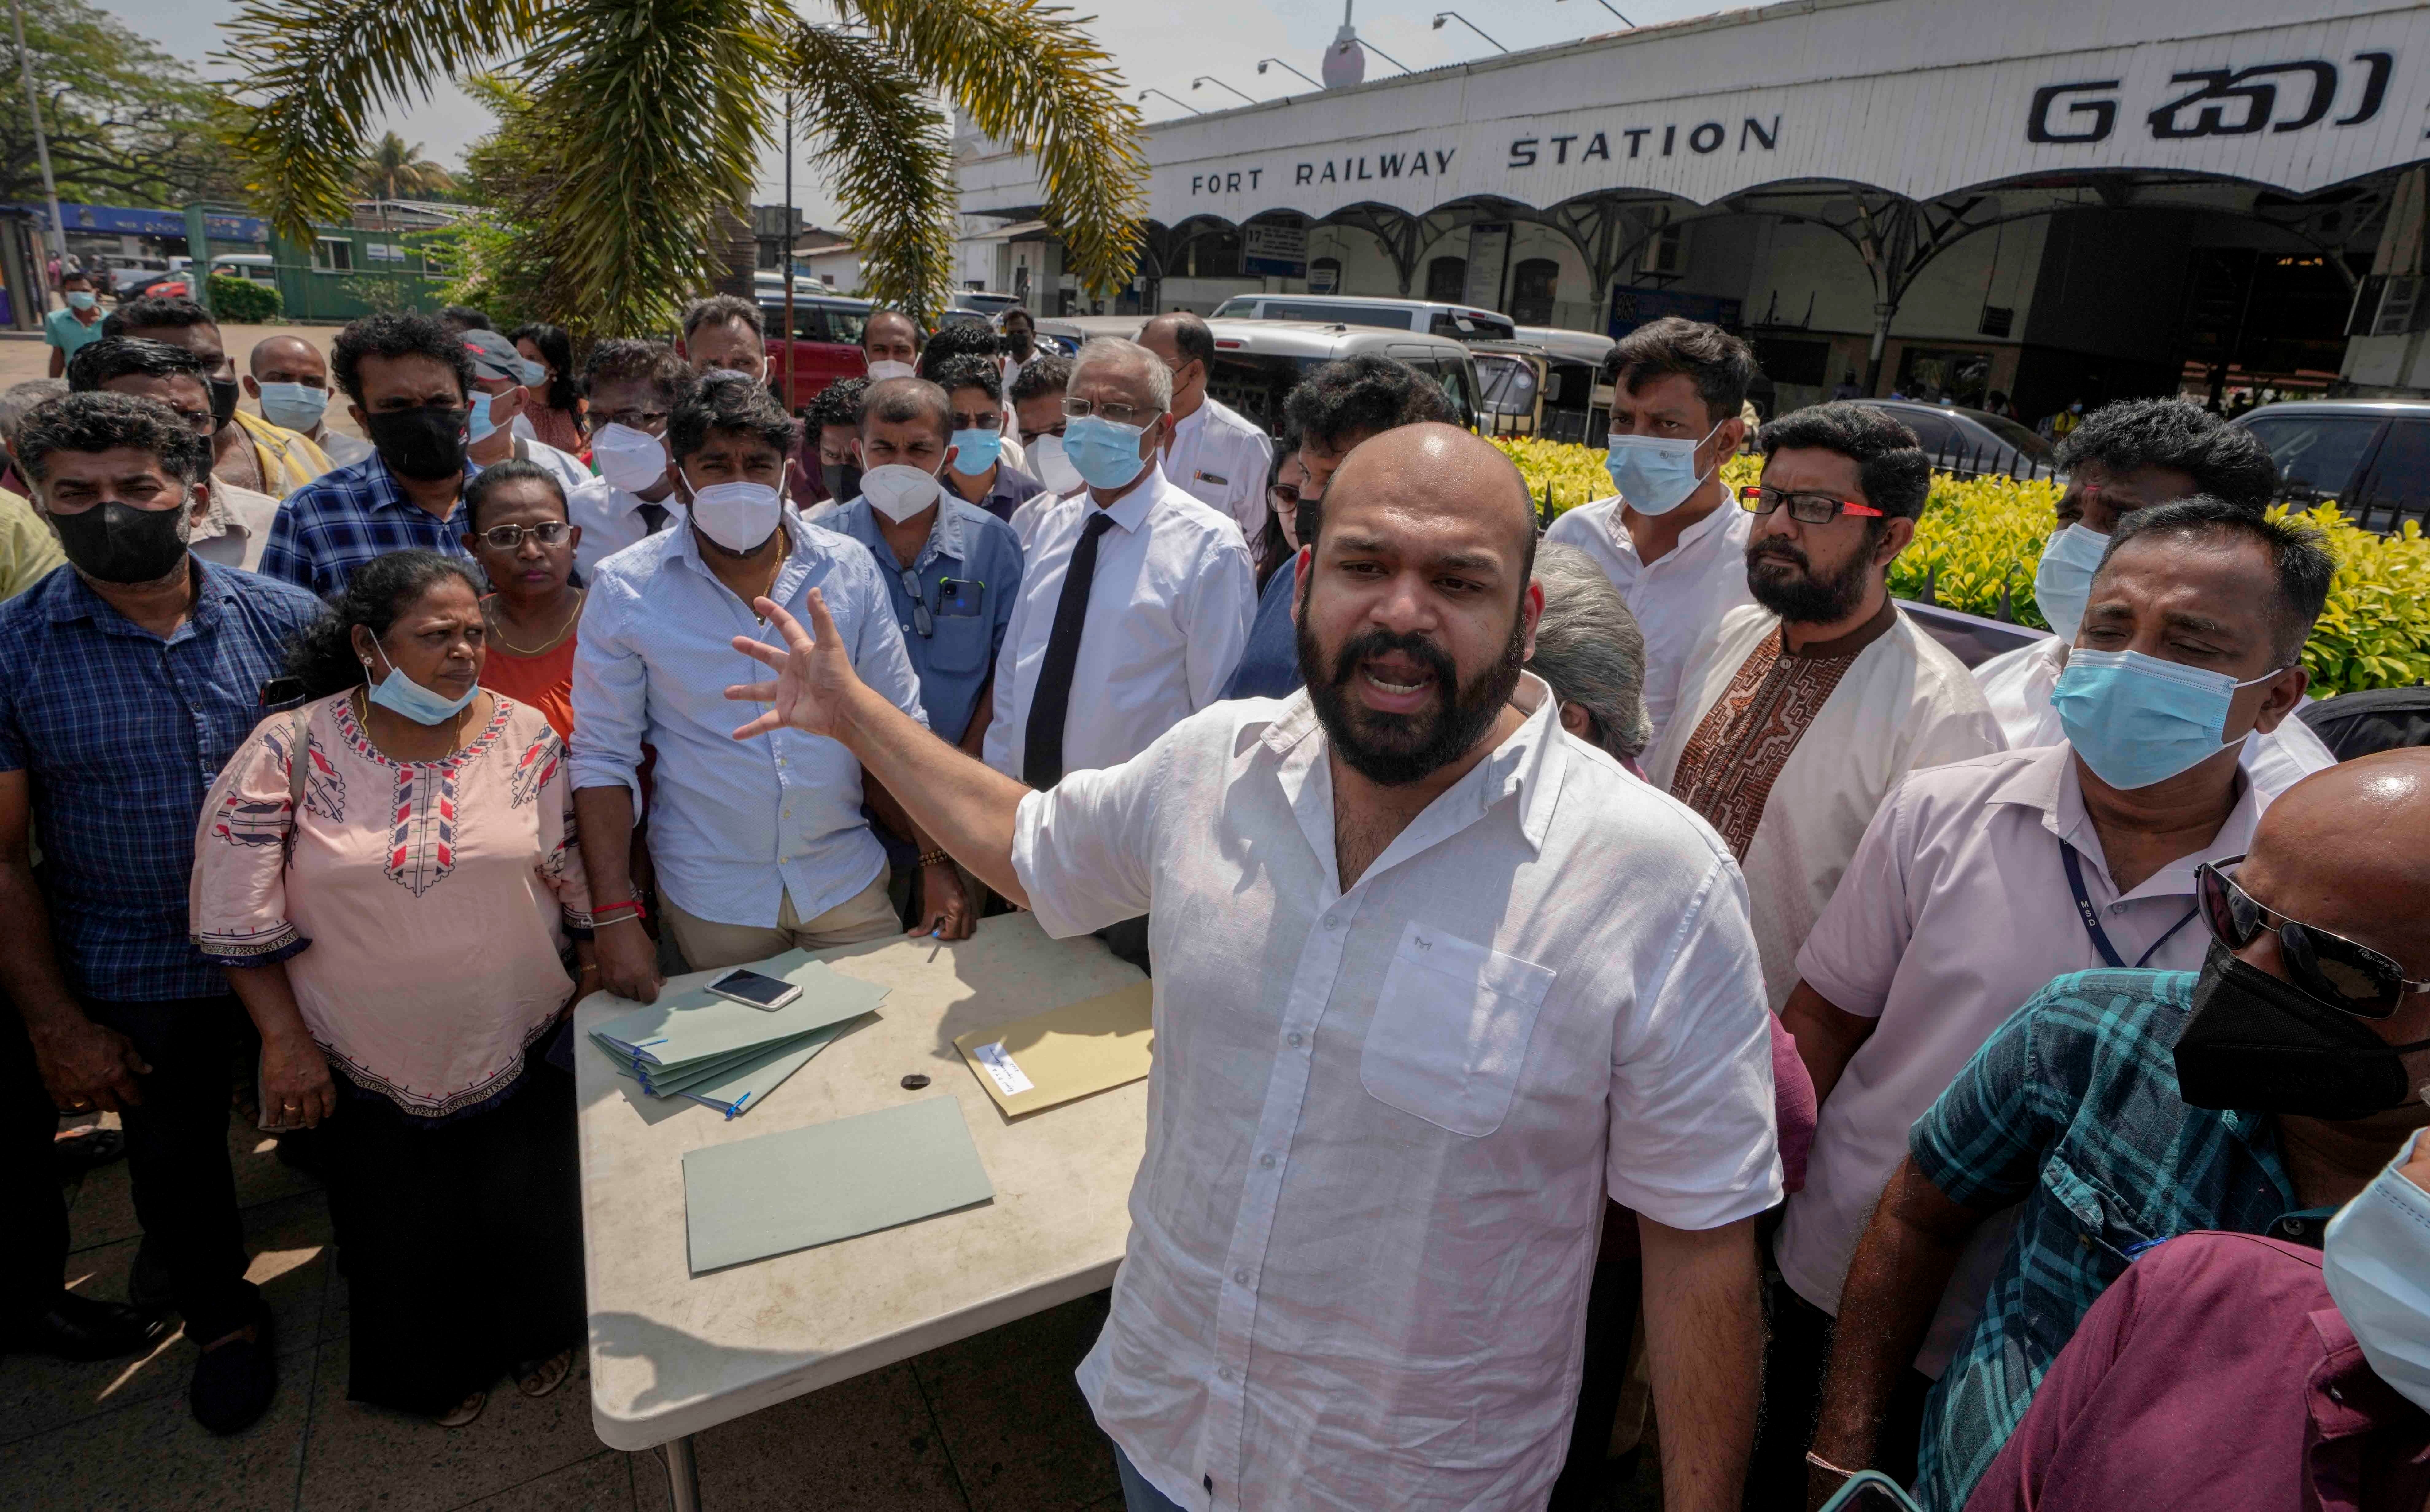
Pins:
x: 643, y: 122
x: 392, y: 169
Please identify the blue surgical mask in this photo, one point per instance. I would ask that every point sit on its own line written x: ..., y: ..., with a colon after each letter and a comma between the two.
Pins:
x: 483, y: 426
x: 2375, y: 1258
x: 974, y: 451
x: 2063, y: 582
x: 1106, y: 456
x: 298, y: 407
x: 2136, y: 719
x: 1654, y: 475
x: 410, y: 698
x: 78, y: 299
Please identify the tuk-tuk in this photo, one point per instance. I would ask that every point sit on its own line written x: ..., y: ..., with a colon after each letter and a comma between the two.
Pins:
x: 1577, y: 398
x: 1526, y: 389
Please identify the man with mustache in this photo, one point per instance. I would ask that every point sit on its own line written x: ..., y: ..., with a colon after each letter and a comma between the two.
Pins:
x: 1434, y: 977
x: 1808, y: 706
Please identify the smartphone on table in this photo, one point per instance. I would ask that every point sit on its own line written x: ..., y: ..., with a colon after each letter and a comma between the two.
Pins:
x: 766, y: 992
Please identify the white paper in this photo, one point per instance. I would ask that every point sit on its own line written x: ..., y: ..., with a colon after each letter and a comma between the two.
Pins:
x: 1005, y: 1070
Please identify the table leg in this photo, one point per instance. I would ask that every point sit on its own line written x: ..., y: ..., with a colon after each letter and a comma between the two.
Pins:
x: 683, y: 1475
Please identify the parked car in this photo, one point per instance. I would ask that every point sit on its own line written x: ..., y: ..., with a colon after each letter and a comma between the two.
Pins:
x: 2371, y: 455
x: 1973, y: 442
x: 1465, y: 323
x: 824, y: 346
x: 256, y: 266
x: 991, y: 305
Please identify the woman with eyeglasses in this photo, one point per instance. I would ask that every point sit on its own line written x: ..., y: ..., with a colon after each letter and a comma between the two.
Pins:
x: 517, y: 529
x: 388, y: 877
x: 1270, y: 663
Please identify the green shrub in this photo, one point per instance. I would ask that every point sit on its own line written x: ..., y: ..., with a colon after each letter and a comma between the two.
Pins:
x: 1979, y: 540
x: 244, y: 302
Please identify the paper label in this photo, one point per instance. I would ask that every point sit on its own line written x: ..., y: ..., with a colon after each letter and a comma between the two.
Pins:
x: 1007, y: 1071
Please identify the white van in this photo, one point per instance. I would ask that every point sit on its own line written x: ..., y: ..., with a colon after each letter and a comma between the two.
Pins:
x: 1463, y: 323
x: 254, y: 266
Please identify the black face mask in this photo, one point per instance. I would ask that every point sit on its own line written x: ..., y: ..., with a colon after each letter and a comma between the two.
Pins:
x: 223, y: 393
x: 1020, y: 345
x: 120, y: 544
x: 2266, y: 1046
x: 842, y: 480
x: 422, y: 444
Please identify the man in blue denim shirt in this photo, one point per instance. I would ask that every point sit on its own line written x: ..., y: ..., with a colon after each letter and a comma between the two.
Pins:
x: 952, y: 569
x: 126, y: 680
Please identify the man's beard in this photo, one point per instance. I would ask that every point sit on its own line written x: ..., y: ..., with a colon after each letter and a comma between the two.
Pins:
x: 1393, y: 750
x: 1809, y: 598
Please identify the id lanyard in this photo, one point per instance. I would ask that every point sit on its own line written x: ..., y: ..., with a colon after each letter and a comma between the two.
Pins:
x: 2091, y: 916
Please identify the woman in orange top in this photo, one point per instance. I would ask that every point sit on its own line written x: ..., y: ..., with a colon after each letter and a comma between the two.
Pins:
x: 520, y: 537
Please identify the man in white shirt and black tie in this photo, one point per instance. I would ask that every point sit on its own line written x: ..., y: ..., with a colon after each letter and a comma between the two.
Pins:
x: 1435, y: 977
x: 1215, y: 455
x: 634, y: 386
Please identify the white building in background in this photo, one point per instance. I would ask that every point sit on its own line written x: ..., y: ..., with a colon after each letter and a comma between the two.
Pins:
x: 2054, y: 199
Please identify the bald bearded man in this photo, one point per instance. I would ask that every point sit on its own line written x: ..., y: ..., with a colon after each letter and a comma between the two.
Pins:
x: 291, y: 382
x: 1433, y: 977
x: 2121, y: 1107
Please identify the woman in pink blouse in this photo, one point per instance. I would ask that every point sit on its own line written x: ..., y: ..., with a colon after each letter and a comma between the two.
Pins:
x: 407, y: 926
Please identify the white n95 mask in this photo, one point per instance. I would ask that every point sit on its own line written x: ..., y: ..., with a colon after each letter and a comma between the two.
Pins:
x: 887, y: 368
x: 629, y: 459
x: 898, y: 491
x: 738, y: 516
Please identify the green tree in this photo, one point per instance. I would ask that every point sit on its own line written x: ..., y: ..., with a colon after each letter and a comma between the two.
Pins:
x: 645, y: 119
x: 395, y: 169
x: 128, y: 123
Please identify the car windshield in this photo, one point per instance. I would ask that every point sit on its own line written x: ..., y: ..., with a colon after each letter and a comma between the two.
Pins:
x: 2315, y: 456
x: 2015, y: 435
x: 1506, y: 385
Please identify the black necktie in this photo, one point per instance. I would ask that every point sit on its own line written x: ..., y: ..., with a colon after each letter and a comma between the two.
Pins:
x: 654, y: 517
x: 1041, y: 760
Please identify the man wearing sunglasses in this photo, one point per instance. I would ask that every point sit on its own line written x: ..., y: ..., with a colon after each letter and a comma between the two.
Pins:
x: 1805, y: 707
x: 237, y: 527
x: 1978, y: 882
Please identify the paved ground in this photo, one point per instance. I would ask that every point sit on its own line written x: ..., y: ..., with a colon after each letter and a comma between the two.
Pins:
x: 993, y: 1424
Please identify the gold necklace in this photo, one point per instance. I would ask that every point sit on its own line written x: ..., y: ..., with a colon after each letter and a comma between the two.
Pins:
x: 549, y: 641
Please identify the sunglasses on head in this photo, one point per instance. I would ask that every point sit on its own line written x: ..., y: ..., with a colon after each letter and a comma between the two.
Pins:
x: 2345, y: 975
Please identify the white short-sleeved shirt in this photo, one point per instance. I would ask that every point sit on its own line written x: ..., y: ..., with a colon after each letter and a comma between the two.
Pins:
x: 1955, y: 910
x: 1169, y: 612
x: 2017, y: 685
x: 1381, y: 1123
x: 611, y: 520
x: 1678, y: 598
x: 1221, y: 458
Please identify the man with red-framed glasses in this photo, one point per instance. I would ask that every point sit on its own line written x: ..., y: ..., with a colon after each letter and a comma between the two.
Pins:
x: 1975, y: 884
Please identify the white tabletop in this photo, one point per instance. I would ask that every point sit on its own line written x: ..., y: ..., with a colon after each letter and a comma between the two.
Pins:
x: 672, y: 1353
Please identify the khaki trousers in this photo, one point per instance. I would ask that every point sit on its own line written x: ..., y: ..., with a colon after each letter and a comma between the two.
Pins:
x: 707, y: 947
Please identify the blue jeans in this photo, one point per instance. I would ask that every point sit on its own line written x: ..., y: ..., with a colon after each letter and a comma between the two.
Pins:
x: 1137, y: 1495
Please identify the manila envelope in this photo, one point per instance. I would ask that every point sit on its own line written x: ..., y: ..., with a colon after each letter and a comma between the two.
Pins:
x: 1055, y: 1058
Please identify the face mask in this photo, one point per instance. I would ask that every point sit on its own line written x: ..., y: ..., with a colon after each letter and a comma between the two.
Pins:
x: 483, y: 426
x: 629, y: 459
x: 76, y: 301
x: 897, y: 491
x: 295, y: 406
x: 420, y: 443
x: 842, y: 480
x: 2063, y: 582
x: 528, y: 372
x: 402, y: 694
x: 884, y: 369
x: 1654, y: 475
x: 224, y: 397
x: 975, y: 451
x: 1106, y: 456
x: 117, y: 542
x: 1053, y: 469
x: 1021, y: 344
x: 738, y: 516
x: 2377, y: 1261
x: 2259, y: 1045
x: 2136, y: 719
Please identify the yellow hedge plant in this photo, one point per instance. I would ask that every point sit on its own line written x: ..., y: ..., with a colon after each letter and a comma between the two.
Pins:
x: 1978, y: 544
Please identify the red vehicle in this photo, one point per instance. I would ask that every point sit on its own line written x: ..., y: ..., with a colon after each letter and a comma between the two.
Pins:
x: 824, y: 346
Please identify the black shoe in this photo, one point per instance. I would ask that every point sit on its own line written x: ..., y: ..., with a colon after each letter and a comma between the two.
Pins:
x: 83, y: 1328
x: 233, y: 1384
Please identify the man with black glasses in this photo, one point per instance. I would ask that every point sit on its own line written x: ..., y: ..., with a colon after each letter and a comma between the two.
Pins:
x: 1979, y: 881
x: 2119, y: 1108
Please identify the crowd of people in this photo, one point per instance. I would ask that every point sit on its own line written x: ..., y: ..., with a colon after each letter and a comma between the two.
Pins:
x: 2006, y: 1078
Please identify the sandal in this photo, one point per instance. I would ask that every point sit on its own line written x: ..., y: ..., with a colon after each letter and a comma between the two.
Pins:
x: 465, y: 1411
x: 545, y: 1377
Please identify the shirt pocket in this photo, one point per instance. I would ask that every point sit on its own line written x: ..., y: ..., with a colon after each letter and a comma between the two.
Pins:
x: 959, y: 643
x: 1450, y: 1030
x: 2089, y: 1235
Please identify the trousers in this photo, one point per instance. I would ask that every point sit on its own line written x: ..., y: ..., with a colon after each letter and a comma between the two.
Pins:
x: 706, y: 946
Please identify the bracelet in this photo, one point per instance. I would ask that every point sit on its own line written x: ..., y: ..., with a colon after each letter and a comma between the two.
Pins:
x: 935, y: 857
x: 609, y: 913
x: 1820, y: 1463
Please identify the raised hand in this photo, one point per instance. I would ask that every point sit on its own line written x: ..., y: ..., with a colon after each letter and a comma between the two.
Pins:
x: 814, y: 676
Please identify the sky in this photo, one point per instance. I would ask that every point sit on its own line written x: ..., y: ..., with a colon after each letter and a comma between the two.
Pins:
x: 1157, y: 44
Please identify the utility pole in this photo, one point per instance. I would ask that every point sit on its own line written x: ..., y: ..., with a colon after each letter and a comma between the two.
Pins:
x: 41, y: 145
x: 785, y: 262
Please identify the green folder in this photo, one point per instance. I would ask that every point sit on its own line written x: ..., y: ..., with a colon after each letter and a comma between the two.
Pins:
x: 696, y: 1025
x: 736, y: 1091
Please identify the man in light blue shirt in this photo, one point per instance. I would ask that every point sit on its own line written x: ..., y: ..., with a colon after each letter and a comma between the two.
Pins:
x: 759, y: 845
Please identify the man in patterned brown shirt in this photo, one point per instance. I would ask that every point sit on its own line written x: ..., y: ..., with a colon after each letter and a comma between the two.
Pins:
x: 1807, y: 707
